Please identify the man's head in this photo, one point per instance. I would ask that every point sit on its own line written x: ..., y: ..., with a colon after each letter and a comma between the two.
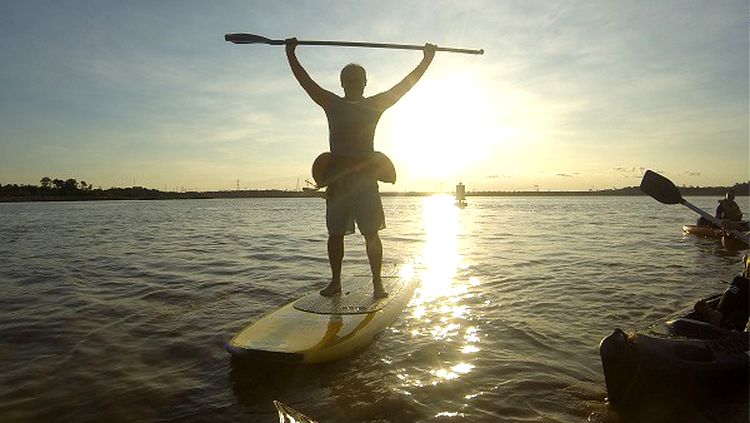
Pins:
x: 730, y: 195
x: 353, y: 80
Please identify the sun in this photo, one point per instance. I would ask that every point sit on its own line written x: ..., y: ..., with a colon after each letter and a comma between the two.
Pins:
x: 441, y: 128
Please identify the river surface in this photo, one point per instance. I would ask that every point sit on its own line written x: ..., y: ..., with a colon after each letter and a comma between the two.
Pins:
x: 119, y: 310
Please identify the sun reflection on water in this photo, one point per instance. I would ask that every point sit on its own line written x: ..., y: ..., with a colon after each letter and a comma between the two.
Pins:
x: 440, y: 316
x: 440, y: 256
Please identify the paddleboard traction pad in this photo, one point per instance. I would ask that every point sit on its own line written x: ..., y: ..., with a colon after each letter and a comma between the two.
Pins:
x: 357, y: 299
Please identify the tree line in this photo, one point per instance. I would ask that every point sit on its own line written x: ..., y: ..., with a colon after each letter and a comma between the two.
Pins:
x: 72, y: 189
x: 48, y: 186
x: 68, y: 185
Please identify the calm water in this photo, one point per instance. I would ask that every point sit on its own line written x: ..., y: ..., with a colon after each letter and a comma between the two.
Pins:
x: 118, y: 311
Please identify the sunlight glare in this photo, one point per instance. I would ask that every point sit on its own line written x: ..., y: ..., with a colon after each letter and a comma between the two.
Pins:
x: 444, y: 128
x: 440, y: 255
x: 438, y: 311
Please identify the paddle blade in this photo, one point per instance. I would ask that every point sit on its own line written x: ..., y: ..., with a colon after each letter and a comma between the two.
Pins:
x: 660, y: 188
x: 250, y: 39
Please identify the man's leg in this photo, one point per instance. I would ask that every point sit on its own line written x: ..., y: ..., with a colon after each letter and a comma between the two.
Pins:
x: 734, y: 304
x: 375, y: 255
x: 335, y: 257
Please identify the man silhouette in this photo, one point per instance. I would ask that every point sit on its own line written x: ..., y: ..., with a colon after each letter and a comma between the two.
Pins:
x: 351, y: 125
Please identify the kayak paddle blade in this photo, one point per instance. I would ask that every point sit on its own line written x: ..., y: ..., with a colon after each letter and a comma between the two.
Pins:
x: 660, y: 188
x: 250, y: 39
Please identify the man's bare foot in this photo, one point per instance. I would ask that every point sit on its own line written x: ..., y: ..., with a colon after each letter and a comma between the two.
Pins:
x: 378, y: 291
x: 332, y: 289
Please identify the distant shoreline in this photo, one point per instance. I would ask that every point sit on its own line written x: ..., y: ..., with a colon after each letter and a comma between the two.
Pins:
x: 140, y: 193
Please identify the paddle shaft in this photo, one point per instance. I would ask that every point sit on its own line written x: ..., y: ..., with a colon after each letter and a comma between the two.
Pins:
x: 701, y: 212
x: 254, y: 39
x: 386, y: 45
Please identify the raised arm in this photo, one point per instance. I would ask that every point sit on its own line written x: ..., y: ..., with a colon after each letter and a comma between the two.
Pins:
x: 390, y: 97
x: 318, y: 94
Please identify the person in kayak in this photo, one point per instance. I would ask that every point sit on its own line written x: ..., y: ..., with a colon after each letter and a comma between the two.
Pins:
x: 730, y: 214
x: 727, y: 211
x: 728, y: 208
x: 732, y: 312
x: 351, y: 126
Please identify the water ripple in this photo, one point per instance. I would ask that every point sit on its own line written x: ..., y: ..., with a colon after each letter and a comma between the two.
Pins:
x: 116, y: 309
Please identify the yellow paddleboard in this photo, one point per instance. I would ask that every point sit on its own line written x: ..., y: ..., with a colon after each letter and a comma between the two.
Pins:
x: 315, y: 328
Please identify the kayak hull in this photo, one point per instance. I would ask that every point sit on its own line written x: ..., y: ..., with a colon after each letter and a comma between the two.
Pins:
x: 711, y: 232
x: 703, y: 231
x: 694, y: 360
x: 640, y: 365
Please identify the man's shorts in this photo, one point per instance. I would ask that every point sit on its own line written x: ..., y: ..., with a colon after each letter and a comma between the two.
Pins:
x: 354, y: 198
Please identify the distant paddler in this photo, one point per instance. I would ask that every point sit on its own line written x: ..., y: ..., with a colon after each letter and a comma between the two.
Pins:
x: 351, y: 169
x: 728, y: 212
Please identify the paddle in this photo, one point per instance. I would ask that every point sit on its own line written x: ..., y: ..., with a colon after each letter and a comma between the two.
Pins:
x: 257, y: 39
x: 664, y: 191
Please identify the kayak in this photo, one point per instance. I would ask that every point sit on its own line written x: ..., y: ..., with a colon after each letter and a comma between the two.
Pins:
x: 704, y: 231
x: 695, y: 361
x: 641, y: 365
x: 713, y: 232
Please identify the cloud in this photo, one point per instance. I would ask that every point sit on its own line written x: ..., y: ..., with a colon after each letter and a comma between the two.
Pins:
x: 574, y: 85
x: 630, y: 172
x: 498, y: 176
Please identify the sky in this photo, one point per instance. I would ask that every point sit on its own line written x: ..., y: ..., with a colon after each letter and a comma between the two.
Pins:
x: 569, y: 95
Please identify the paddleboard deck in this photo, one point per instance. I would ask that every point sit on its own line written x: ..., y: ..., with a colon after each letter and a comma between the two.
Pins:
x: 358, y: 300
x: 316, y: 328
